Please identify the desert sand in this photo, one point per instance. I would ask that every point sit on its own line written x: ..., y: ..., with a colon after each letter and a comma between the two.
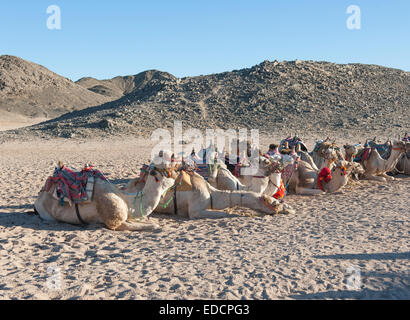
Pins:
x: 301, y: 256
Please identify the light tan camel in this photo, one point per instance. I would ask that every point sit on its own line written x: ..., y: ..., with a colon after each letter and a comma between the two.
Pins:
x: 325, y: 154
x: 351, y: 151
x: 192, y: 196
x: 376, y: 167
x: 304, y: 180
x: 403, y: 165
x: 305, y: 156
x: 110, y: 205
x: 267, y: 179
x: 198, y: 199
x: 259, y: 181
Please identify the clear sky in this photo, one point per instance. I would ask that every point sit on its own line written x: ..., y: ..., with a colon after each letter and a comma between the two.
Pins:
x: 104, y: 39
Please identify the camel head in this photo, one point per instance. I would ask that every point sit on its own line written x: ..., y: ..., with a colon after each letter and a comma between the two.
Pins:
x: 265, y: 165
x: 276, y: 164
x: 351, y: 149
x: 342, y: 168
x: 269, y: 205
x: 164, y: 176
x: 279, y: 162
x: 330, y: 154
x: 161, y: 176
x: 400, y: 146
x: 164, y: 159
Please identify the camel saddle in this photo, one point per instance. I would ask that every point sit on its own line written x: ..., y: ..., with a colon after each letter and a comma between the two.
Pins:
x: 362, y: 155
x: 202, y: 170
x: 183, y: 181
x: 292, y: 142
x: 383, y: 149
x: 73, y: 186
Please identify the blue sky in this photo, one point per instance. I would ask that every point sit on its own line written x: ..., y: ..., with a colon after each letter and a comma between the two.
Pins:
x: 104, y: 39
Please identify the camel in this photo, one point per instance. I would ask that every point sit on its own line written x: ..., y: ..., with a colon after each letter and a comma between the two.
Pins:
x: 325, y: 153
x: 403, y: 165
x: 201, y: 200
x: 305, y: 180
x: 221, y: 178
x: 352, y: 150
x: 109, y: 205
x: 376, y: 167
x: 267, y: 180
x: 195, y: 198
x: 305, y: 156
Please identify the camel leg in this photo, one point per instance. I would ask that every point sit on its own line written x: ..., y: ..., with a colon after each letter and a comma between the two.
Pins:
x: 137, y: 226
x: 307, y: 191
x: 286, y: 209
x: 374, y: 178
x: 113, y: 210
x: 387, y: 177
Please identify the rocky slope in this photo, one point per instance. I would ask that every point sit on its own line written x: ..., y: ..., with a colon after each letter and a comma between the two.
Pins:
x: 117, y: 87
x: 32, y: 90
x: 272, y: 96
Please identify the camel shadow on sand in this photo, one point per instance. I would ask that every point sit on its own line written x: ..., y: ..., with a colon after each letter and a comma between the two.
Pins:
x: 28, y: 219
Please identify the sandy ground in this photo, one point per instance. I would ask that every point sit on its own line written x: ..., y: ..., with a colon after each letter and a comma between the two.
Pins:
x: 301, y: 256
x: 11, y: 121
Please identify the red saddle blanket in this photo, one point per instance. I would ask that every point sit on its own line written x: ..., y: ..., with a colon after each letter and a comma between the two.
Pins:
x: 72, y: 184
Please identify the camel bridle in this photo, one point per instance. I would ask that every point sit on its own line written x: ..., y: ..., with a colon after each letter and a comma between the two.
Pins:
x: 167, y: 173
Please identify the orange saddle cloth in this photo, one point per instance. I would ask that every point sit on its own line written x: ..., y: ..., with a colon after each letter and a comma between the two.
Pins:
x: 183, y: 182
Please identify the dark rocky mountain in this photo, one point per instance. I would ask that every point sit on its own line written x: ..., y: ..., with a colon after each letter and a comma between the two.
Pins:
x: 284, y: 96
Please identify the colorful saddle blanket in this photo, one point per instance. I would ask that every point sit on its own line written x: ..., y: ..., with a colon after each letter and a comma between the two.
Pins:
x: 202, y: 170
x: 73, y: 186
x: 288, y: 172
x: 292, y: 142
x: 362, y: 155
x: 383, y: 149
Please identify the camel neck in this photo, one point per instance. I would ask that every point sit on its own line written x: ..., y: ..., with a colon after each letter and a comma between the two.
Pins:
x: 258, y: 183
x: 391, y: 162
x: 338, y: 180
x: 143, y: 203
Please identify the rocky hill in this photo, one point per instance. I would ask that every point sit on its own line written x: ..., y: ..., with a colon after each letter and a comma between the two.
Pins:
x: 272, y: 96
x: 117, y: 87
x: 32, y: 90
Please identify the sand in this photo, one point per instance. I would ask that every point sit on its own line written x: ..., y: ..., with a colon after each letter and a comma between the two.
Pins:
x: 11, y: 121
x: 301, y: 256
